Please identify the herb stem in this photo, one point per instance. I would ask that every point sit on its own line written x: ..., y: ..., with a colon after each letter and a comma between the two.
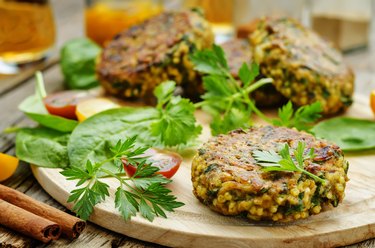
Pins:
x: 40, y: 90
x: 315, y: 177
x: 259, y: 113
x: 120, y: 179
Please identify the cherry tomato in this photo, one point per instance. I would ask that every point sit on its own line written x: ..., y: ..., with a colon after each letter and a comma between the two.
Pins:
x: 167, y: 162
x: 64, y: 103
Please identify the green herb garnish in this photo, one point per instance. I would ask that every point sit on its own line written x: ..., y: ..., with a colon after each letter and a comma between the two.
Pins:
x: 226, y: 99
x: 144, y: 192
x: 175, y: 123
x: 302, y: 118
x: 282, y: 161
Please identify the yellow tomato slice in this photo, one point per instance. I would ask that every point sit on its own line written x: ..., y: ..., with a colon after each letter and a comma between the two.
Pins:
x: 8, y: 165
x: 89, y: 107
x: 372, y: 101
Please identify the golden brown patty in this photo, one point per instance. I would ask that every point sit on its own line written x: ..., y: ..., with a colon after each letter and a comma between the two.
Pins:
x: 227, y: 178
x: 140, y: 58
x: 305, y: 68
x: 238, y: 51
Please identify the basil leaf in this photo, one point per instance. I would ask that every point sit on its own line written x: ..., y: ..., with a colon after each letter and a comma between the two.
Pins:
x: 349, y: 133
x: 43, y: 147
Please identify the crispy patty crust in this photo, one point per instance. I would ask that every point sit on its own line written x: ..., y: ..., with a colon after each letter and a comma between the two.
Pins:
x: 140, y: 58
x: 305, y: 68
x: 238, y: 51
x: 227, y: 178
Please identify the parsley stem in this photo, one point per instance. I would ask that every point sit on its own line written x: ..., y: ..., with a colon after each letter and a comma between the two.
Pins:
x: 258, y: 84
x: 315, y: 177
x: 120, y: 179
x: 259, y: 113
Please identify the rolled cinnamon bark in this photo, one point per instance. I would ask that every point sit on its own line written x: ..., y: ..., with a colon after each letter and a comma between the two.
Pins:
x: 71, y: 226
x: 28, y: 223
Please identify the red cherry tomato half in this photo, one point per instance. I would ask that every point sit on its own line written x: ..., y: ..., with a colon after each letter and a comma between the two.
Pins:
x: 167, y: 162
x: 64, y: 103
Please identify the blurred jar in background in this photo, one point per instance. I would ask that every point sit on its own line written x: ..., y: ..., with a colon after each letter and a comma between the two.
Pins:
x: 105, y: 18
x: 219, y: 13
x: 27, y: 32
x: 248, y: 10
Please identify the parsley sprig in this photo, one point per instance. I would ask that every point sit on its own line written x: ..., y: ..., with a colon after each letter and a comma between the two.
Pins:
x: 227, y: 99
x: 302, y: 118
x: 272, y: 161
x: 144, y: 192
x: 229, y: 102
x: 176, y: 123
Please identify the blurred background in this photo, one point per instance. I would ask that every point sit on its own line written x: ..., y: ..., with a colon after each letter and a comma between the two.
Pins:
x: 33, y: 30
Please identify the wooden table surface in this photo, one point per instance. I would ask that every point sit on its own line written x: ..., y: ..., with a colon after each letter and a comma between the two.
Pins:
x: 13, y: 89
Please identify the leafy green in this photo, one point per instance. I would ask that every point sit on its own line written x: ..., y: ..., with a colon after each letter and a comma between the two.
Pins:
x: 93, y: 138
x: 302, y: 119
x: 171, y: 123
x: 78, y: 63
x: 350, y: 134
x: 226, y: 99
x: 43, y: 147
x: 144, y: 192
x: 230, y: 121
x: 176, y: 116
x: 34, y: 108
x: 248, y: 75
x: 272, y: 161
x: 211, y: 61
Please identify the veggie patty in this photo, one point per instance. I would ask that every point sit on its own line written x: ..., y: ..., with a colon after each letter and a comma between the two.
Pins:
x: 227, y: 178
x: 238, y: 51
x: 140, y: 58
x: 305, y: 68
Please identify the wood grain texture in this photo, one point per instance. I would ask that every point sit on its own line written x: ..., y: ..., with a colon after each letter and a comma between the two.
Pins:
x: 69, y: 22
x: 194, y: 225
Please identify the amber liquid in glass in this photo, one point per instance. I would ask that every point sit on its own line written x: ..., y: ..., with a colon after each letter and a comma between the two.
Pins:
x: 27, y: 30
x: 105, y: 19
x: 219, y: 13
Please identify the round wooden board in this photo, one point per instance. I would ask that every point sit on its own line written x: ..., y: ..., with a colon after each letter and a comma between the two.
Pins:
x: 194, y: 225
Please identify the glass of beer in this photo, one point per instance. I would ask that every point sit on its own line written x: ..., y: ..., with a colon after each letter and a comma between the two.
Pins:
x: 27, y: 33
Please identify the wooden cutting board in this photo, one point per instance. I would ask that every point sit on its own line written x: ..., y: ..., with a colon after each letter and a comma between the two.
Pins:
x: 194, y: 225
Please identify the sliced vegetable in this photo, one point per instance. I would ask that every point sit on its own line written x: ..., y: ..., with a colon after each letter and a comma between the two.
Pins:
x: 78, y: 63
x: 90, y: 107
x: 64, y: 103
x: 34, y: 108
x: 349, y: 133
x: 167, y: 162
x: 372, y: 101
x: 43, y: 147
x: 8, y: 165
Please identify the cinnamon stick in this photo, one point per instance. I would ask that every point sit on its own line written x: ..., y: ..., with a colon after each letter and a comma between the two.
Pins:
x: 71, y: 226
x: 28, y: 223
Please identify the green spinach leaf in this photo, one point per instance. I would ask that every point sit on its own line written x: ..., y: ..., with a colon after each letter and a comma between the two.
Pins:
x: 43, y: 147
x: 34, y: 108
x: 78, y: 63
x: 92, y: 139
x: 349, y: 133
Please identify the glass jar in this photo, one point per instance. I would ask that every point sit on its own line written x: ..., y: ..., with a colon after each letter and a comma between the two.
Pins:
x: 105, y: 18
x: 27, y: 32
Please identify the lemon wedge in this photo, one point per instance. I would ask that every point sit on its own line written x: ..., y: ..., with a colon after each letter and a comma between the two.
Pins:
x: 89, y: 107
